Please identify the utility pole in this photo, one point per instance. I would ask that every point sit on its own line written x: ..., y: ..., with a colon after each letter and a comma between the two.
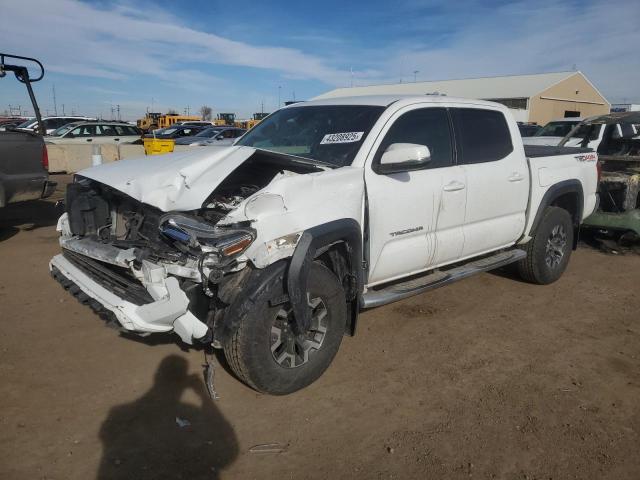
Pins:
x: 112, y: 113
x: 55, y: 105
x: 415, y: 73
x: 118, y: 108
x: 262, y: 106
x: 63, y: 109
x: 351, y: 68
x: 279, y: 88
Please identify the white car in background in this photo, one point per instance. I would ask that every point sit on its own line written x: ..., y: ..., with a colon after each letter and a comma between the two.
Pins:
x: 553, y: 132
x: 80, y: 133
x: 51, y: 123
x: 605, y: 131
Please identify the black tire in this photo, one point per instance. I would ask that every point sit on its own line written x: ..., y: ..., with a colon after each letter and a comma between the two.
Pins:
x: 549, y: 250
x: 249, y: 350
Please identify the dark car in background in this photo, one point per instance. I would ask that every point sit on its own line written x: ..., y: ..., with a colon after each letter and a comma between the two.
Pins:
x: 23, y: 167
x: 175, y: 131
x: 24, y: 162
x: 51, y: 123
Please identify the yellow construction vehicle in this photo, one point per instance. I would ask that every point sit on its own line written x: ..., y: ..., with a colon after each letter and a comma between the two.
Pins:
x: 152, y: 121
x: 171, y: 119
x: 149, y: 122
x: 249, y: 124
x: 225, y: 119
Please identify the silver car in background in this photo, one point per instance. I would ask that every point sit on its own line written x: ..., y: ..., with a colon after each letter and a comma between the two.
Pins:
x: 214, y: 136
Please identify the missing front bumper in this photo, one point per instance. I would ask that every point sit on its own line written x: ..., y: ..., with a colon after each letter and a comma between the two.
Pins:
x: 168, y: 313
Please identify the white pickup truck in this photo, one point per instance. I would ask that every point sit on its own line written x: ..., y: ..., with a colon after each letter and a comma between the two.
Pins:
x: 271, y: 247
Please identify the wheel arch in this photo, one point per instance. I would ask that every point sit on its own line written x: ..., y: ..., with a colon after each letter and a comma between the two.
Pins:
x: 338, y: 245
x: 568, y: 195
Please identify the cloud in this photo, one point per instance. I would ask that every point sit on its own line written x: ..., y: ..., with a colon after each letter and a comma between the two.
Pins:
x: 523, y: 37
x: 113, y: 43
x: 122, y: 47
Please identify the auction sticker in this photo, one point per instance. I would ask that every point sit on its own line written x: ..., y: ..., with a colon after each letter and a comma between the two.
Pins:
x: 347, y: 137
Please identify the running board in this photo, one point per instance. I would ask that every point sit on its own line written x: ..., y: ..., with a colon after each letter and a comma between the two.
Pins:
x: 415, y: 286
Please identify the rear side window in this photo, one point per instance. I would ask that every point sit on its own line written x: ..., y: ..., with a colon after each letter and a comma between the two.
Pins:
x: 481, y: 135
x: 425, y: 126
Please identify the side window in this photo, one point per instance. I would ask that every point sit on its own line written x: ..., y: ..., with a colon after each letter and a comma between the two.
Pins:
x: 426, y: 126
x: 120, y: 130
x: 108, y: 130
x: 132, y: 131
x: 76, y: 132
x: 482, y: 135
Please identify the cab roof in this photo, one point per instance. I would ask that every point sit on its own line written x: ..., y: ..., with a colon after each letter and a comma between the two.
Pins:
x: 386, y: 100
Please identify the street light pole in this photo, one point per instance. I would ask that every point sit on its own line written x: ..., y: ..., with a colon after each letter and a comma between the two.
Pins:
x: 279, y: 88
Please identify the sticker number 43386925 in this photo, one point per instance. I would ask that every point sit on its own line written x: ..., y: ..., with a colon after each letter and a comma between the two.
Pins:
x: 347, y: 137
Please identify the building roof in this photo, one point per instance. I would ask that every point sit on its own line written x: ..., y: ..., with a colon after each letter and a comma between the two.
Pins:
x: 513, y: 86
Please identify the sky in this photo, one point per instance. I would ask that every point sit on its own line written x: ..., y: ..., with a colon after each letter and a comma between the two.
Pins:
x: 247, y: 56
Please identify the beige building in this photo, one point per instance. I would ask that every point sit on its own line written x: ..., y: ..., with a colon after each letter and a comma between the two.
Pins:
x: 535, y: 98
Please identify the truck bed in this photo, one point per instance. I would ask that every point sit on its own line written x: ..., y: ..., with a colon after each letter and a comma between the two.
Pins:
x: 534, y: 151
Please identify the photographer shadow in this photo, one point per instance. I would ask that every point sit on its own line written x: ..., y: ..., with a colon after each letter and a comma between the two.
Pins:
x: 159, y: 436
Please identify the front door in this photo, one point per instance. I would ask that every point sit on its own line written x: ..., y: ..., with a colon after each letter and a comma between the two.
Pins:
x: 415, y: 217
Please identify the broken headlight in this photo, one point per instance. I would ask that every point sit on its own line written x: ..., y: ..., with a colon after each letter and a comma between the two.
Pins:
x: 198, y: 235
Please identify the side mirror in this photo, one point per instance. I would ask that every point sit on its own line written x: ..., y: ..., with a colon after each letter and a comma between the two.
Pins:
x: 403, y: 157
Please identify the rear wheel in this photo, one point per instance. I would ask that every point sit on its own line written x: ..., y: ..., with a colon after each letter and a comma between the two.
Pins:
x: 549, y: 250
x: 270, y: 354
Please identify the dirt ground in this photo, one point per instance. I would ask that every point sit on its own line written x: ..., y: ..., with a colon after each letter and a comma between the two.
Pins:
x: 488, y: 378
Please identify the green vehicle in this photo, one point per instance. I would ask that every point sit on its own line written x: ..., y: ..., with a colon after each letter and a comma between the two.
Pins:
x: 616, y: 137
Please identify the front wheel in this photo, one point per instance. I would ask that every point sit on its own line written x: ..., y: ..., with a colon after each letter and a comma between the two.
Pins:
x: 549, y: 250
x: 267, y: 351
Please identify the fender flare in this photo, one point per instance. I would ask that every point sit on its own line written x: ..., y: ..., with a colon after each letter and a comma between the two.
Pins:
x: 555, y: 191
x: 346, y: 230
x: 243, y: 289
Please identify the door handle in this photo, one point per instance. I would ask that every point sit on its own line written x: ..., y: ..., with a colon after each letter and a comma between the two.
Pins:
x: 117, y: 139
x: 453, y: 186
x: 516, y: 177
x: 89, y: 139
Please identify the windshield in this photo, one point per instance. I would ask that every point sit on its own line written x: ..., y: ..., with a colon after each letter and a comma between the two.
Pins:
x: 584, y: 130
x: 208, y: 133
x: 62, y: 130
x: 555, y: 129
x: 25, y: 124
x: 165, y: 131
x: 329, y: 134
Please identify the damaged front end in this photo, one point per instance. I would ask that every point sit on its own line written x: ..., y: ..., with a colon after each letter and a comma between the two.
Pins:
x: 159, y: 271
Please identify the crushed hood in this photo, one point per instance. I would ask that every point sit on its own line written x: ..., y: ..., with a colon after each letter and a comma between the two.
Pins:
x: 175, y: 181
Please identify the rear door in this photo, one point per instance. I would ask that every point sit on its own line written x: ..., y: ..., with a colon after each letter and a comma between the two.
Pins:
x: 497, y: 178
x: 415, y: 216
